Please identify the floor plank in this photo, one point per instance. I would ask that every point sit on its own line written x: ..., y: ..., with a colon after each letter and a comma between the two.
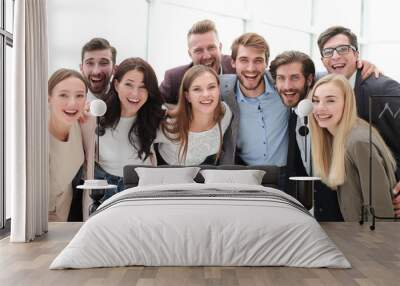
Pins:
x: 374, y: 255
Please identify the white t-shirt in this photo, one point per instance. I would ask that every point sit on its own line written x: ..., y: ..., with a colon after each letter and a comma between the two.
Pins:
x: 200, y: 144
x: 116, y: 151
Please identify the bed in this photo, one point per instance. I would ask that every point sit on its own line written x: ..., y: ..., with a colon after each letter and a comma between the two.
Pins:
x: 169, y: 223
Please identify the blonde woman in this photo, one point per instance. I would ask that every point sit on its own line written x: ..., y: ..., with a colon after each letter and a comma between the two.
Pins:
x: 67, y: 91
x: 193, y: 132
x: 340, y: 149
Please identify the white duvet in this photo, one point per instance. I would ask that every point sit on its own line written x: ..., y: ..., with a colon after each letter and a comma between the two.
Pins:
x: 208, y: 230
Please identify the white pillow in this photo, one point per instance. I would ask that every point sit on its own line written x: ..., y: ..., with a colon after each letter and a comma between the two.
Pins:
x: 163, y: 176
x: 249, y: 177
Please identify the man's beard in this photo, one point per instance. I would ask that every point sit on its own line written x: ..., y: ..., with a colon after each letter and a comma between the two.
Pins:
x: 302, y: 95
x: 215, y: 66
x: 254, y: 88
x: 99, y: 89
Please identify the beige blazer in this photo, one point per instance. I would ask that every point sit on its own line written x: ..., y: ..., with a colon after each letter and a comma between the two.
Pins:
x: 63, y: 168
x: 355, y: 190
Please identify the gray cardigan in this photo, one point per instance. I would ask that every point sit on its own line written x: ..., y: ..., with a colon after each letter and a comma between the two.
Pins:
x: 355, y: 190
x: 227, y: 85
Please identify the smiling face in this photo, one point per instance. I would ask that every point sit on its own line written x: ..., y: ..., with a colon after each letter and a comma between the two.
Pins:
x: 67, y: 101
x: 291, y: 83
x: 204, y: 94
x: 250, y: 67
x: 345, y: 64
x: 205, y: 49
x: 328, y: 102
x: 97, y: 67
x: 132, y: 92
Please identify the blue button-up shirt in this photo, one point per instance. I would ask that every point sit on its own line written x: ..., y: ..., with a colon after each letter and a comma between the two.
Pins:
x: 263, y: 127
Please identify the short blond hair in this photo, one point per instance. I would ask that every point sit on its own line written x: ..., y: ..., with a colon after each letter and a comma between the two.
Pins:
x: 202, y: 27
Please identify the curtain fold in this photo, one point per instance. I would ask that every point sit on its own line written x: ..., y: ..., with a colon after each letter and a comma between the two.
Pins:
x: 27, y: 135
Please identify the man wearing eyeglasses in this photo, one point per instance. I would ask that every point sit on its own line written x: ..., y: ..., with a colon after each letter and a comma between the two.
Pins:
x: 339, y: 54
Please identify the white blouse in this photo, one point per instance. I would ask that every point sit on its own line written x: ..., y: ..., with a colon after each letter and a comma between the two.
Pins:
x: 200, y: 144
x: 116, y: 151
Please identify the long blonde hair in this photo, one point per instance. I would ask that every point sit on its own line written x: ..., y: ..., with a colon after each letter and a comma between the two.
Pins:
x: 182, y: 115
x: 328, y: 152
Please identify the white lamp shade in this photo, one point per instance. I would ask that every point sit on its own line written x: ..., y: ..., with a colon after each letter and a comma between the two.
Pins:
x: 98, y: 107
x: 304, y: 108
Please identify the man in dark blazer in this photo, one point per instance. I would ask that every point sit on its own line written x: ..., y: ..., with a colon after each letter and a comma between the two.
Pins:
x: 294, y: 73
x: 204, y: 48
x: 339, y: 50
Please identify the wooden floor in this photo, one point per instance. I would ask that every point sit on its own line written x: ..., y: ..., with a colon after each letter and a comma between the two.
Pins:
x: 374, y: 255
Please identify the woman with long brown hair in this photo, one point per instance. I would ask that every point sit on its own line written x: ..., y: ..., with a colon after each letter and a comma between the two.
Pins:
x: 193, y: 132
x: 128, y: 128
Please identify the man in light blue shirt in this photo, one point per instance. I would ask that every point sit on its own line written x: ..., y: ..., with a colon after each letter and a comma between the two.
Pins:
x: 259, y: 128
x: 262, y: 137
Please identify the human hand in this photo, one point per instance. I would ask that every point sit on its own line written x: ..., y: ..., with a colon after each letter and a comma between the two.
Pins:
x: 368, y: 69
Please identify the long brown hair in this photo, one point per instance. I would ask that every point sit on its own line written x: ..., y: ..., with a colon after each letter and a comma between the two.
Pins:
x: 177, y: 129
x: 149, y: 115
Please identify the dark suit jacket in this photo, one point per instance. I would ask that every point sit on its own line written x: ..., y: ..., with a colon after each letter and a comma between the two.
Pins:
x: 172, y: 79
x: 294, y: 163
x: 326, y: 206
x: 385, y: 111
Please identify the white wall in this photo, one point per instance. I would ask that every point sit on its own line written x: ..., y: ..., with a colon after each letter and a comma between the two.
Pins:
x: 156, y: 29
x: 345, y: 13
x: 169, y: 25
x: 72, y: 23
x: 383, y: 38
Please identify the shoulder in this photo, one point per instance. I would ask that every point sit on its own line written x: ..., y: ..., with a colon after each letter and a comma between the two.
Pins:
x: 382, y: 84
x: 177, y: 72
x: 269, y: 77
x: 358, y: 134
x: 226, y: 62
x: 227, y: 82
x: 358, y: 140
x: 227, y: 87
x: 226, y: 58
x: 227, y: 113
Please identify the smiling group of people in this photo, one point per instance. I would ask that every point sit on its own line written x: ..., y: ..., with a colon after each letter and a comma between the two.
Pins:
x: 222, y: 109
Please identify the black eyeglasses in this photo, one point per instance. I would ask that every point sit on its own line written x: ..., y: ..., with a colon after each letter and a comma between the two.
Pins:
x: 341, y: 50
